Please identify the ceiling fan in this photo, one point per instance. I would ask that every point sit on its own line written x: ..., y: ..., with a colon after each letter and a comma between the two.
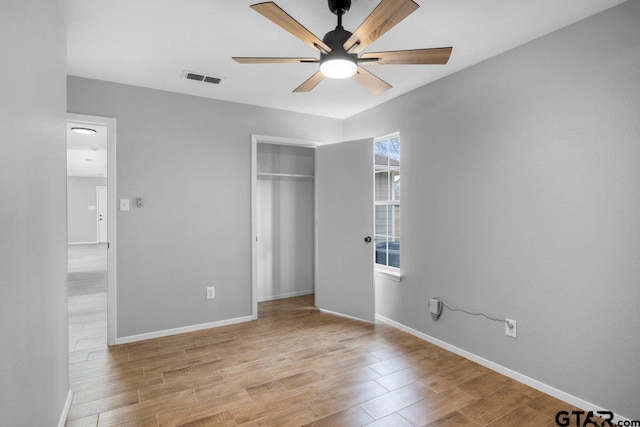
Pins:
x: 340, y: 50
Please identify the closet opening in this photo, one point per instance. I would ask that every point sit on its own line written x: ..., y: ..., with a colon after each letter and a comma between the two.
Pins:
x: 283, y: 221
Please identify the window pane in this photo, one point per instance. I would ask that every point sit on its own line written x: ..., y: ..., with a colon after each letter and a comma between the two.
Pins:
x: 393, y: 254
x: 381, y: 151
x: 393, y: 227
x: 393, y: 148
x: 381, y: 182
x: 381, y: 250
x: 395, y: 185
x: 394, y: 219
x: 387, y: 252
x: 381, y: 221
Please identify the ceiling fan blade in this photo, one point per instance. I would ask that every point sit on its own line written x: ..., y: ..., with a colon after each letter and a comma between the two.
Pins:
x: 438, y: 55
x: 374, y: 84
x: 384, y: 17
x: 271, y: 60
x: 274, y: 13
x: 310, y: 83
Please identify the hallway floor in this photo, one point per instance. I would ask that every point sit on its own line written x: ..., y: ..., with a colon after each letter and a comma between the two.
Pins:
x: 87, y: 290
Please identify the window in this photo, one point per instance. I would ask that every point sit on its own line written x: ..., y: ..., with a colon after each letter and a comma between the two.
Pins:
x: 387, y: 201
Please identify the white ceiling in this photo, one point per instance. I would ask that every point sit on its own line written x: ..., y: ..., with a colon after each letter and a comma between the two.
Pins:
x: 150, y: 43
x: 87, y: 154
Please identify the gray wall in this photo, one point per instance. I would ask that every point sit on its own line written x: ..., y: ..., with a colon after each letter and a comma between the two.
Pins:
x: 81, y: 222
x: 33, y: 232
x: 189, y: 158
x: 520, y: 197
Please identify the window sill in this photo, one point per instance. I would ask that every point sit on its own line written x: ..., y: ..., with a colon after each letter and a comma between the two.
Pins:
x: 395, y: 275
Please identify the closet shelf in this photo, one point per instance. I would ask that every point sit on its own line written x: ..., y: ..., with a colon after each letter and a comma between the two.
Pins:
x: 283, y: 175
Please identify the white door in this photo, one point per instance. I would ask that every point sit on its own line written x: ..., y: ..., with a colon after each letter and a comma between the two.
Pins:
x: 344, y: 194
x: 102, y: 214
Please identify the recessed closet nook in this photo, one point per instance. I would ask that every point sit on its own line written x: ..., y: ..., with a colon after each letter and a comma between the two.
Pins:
x: 285, y: 220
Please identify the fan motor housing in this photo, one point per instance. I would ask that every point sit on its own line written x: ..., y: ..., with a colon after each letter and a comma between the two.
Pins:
x: 339, y: 7
x: 335, y: 40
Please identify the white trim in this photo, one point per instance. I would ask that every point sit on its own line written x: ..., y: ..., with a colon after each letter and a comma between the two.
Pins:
x: 255, y: 140
x: 538, y: 385
x: 283, y: 175
x: 82, y: 243
x: 287, y: 295
x: 277, y: 140
x: 182, y: 330
x: 315, y: 228
x: 112, y: 288
x: 395, y: 274
x: 65, y: 410
x: 395, y: 134
x: 335, y: 313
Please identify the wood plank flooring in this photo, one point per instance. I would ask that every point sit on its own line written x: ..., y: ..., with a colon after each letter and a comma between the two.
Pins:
x: 296, y: 366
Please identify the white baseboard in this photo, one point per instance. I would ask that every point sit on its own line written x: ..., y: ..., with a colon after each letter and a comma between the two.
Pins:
x: 335, y: 313
x: 65, y: 410
x: 82, y: 243
x: 175, y: 331
x: 287, y: 295
x: 540, y: 386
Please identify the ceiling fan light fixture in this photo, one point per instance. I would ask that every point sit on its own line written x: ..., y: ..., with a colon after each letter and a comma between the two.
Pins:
x: 338, y: 68
x: 340, y: 50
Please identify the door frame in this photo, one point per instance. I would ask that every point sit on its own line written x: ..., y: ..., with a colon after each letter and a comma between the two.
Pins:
x: 274, y: 140
x: 110, y: 123
x: 98, y: 210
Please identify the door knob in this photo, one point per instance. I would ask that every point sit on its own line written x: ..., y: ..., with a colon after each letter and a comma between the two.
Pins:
x: 367, y: 239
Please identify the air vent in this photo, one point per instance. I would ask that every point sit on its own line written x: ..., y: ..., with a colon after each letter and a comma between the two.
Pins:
x: 202, y: 77
x: 193, y: 76
x: 213, y: 80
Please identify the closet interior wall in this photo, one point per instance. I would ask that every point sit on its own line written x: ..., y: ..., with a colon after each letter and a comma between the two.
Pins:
x: 285, y: 221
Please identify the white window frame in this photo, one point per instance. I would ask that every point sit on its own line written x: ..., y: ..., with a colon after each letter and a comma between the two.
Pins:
x: 386, y: 271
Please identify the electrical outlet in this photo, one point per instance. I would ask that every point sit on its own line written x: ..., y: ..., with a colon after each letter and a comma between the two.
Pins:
x: 510, y: 328
x: 211, y: 292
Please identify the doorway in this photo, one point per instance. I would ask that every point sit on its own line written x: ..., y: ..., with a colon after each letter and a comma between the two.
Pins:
x: 283, y: 219
x: 342, y: 187
x: 91, y: 208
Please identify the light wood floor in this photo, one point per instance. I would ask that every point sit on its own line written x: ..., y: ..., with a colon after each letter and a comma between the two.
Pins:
x: 296, y: 366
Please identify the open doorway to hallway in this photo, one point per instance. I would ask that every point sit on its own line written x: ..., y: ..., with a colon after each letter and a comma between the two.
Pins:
x: 91, y: 233
x: 87, y: 217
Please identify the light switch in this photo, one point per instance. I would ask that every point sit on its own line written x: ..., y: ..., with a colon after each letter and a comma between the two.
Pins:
x: 124, y: 205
